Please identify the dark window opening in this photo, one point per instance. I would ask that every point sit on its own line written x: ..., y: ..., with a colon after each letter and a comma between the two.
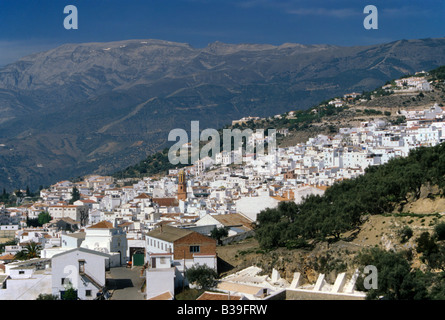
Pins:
x: 194, y: 249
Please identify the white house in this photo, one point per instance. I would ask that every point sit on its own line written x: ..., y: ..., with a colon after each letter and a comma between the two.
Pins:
x: 188, y: 248
x: 234, y: 222
x: 104, y: 237
x: 160, y: 277
x: 77, y: 213
x: 26, y: 280
x: 251, y: 206
x: 82, y: 269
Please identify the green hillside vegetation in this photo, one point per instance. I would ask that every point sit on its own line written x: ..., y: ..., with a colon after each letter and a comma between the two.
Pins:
x: 397, y: 279
x: 154, y: 164
x: 345, y: 206
x: 380, y: 190
x: 438, y: 73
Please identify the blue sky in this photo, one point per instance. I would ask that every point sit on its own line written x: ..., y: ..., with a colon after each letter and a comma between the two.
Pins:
x: 28, y: 26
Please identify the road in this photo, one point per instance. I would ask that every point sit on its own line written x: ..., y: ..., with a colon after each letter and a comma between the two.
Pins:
x: 125, y: 283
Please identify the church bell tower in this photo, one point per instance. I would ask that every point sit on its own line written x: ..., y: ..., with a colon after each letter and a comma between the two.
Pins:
x: 182, y: 186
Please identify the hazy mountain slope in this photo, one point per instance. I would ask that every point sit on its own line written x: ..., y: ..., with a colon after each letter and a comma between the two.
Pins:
x: 80, y: 108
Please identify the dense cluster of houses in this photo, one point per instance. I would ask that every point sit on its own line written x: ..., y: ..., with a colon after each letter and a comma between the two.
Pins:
x: 164, y: 224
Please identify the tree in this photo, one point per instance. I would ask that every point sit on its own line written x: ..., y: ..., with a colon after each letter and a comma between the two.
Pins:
x: 5, y: 196
x: 30, y: 251
x: 44, y: 296
x: 75, y: 195
x: 18, y: 196
x: 433, y: 253
x: 440, y: 231
x: 426, y: 245
x: 438, y: 289
x: 218, y: 233
x: 43, y: 218
x: 405, y: 234
x: 70, y: 294
x: 202, y: 275
x: 396, y: 281
x: 380, y: 190
x: 32, y: 222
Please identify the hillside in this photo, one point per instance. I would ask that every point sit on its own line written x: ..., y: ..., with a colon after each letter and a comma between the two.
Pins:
x: 100, y: 107
x: 392, y: 217
x: 328, y: 119
x: 379, y: 231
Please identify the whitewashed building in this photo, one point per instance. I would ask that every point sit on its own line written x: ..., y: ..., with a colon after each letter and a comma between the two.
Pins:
x: 81, y: 269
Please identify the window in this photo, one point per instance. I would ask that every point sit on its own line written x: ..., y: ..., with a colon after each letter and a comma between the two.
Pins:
x: 194, y: 249
x: 87, y: 293
x: 21, y: 272
x: 81, y: 266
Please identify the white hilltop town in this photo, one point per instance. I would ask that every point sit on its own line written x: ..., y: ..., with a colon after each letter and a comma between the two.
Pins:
x: 161, y: 227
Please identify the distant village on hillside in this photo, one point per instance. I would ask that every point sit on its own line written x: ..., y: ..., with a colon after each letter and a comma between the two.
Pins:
x: 163, y: 227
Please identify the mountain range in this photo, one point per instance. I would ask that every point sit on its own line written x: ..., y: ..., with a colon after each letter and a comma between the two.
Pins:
x: 99, y: 107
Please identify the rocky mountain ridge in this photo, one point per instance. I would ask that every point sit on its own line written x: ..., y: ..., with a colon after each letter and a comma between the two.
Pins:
x: 99, y: 107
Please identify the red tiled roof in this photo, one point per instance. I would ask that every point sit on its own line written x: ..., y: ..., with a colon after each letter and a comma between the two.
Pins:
x: 163, y: 296
x: 7, y: 257
x: 166, y: 202
x: 143, y: 196
x: 102, y: 225
x: 217, y: 296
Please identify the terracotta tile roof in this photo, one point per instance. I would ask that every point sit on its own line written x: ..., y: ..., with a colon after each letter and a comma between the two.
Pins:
x: 65, y: 219
x: 102, y: 225
x: 169, y: 234
x: 125, y: 224
x: 7, y: 257
x: 143, y: 196
x: 163, y: 296
x: 169, y: 215
x: 166, y: 202
x: 233, y: 219
x: 88, y: 201
x: 217, y: 296
x: 280, y: 198
x: 63, y: 206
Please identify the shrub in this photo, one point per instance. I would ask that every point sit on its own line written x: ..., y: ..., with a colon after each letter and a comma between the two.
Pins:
x: 44, y: 296
x: 405, y: 234
x: 440, y: 231
x: 202, y: 275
